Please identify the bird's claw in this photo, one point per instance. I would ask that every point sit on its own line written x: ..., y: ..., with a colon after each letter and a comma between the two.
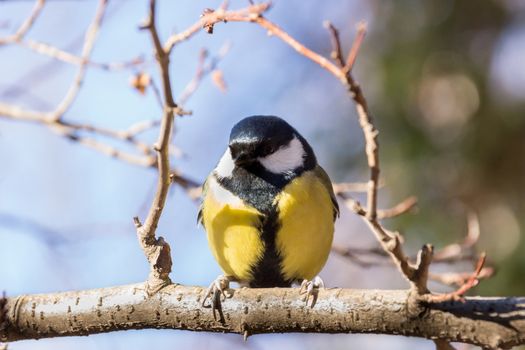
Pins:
x: 217, y: 289
x: 311, y: 288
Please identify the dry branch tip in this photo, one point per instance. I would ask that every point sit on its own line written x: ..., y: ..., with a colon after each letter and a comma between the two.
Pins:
x: 458, y: 294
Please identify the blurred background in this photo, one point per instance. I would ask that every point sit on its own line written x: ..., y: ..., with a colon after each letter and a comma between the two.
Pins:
x: 444, y: 80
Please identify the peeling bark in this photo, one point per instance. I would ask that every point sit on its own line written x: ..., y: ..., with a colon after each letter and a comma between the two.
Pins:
x: 487, y: 322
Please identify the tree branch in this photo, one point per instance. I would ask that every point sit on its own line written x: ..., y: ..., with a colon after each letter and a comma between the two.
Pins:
x: 203, y: 69
x: 487, y: 322
x: 89, y: 42
x: 74, y: 88
x: 67, y: 57
x: 210, y: 18
x: 157, y: 250
x: 26, y: 25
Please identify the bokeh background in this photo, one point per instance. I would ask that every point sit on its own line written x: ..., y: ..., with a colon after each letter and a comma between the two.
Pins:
x: 445, y: 82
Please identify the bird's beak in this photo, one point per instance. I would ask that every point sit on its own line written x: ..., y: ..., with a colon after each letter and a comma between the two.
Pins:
x: 242, y: 158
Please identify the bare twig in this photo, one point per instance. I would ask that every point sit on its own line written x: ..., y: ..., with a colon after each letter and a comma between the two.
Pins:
x: 156, y: 250
x: 145, y: 161
x: 354, y: 50
x: 75, y: 132
x: 364, y: 257
x: 209, y: 18
x: 337, y: 53
x: 67, y: 57
x: 192, y: 187
x: 274, y: 29
x: 26, y: 25
x: 89, y: 42
x: 399, y: 209
x: 72, y: 131
x: 456, y: 251
x: 343, y: 187
x: 457, y: 295
x: 458, y: 279
x: 63, y: 106
x: 355, y: 255
x: 52, y: 51
x: 203, y: 69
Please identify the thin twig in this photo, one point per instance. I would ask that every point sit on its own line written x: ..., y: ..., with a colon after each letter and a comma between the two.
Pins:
x: 399, y: 209
x: 456, y: 251
x: 354, y: 50
x: 156, y: 92
x: 343, y: 187
x: 191, y: 87
x: 203, y: 69
x: 355, y: 256
x: 72, y: 130
x: 145, y: 161
x: 457, y: 295
x: 212, y: 17
x: 274, y: 29
x: 89, y: 41
x: 67, y: 57
x: 55, y: 115
x: 26, y: 25
x: 52, y: 51
x: 337, y: 52
x: 458, y: 279
x: 353, y: 205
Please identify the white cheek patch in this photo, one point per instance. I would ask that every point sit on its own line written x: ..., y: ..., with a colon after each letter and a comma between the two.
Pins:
x: 285, y: 159
x: 226, y: 165
x: 222, y: 195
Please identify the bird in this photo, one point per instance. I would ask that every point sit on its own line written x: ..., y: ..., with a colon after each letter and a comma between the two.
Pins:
x: 268, y: 209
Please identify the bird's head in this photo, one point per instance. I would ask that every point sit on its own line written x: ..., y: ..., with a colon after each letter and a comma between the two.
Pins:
x: 269, y: 142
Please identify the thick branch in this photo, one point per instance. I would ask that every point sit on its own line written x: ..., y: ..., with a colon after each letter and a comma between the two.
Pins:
x: 488, y: 322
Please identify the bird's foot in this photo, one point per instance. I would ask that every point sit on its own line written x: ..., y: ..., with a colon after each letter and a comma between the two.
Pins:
x: 218, y: 289
x: 311, y: 289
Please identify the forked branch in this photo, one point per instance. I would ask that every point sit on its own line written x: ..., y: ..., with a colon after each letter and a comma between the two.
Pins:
x: 157, y: 250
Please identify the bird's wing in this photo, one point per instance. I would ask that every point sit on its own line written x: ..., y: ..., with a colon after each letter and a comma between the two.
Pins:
x: 203, y: 195
x: 325, y: 179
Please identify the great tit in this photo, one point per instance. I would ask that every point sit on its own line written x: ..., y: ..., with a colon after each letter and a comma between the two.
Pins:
x: 268, y: 209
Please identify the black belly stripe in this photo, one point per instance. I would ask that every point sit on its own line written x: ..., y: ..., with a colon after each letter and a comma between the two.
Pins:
x: 260, y: 193
x: 267, y: 272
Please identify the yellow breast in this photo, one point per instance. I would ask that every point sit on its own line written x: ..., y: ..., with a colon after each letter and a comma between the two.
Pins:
x: 232, y: 230
x: 307, y: 227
